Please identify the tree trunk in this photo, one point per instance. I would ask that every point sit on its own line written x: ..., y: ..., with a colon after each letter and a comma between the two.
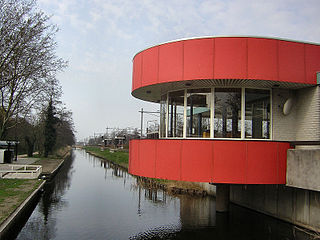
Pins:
x: 30, y: 145
x: 2, y: 132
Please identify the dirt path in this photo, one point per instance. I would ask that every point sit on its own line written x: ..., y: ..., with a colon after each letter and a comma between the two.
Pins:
x: 48, y: 164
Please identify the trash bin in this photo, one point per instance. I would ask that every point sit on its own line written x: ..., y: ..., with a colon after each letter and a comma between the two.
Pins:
x: 8, y: 156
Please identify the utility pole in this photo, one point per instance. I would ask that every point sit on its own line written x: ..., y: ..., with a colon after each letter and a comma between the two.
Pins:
x: 142, y: 112
x: 141, y: 121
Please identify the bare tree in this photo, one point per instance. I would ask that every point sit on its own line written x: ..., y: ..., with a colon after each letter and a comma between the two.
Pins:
x: 28, y: 62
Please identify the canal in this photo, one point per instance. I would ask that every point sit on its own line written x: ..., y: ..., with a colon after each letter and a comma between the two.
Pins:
x: 92, y: 199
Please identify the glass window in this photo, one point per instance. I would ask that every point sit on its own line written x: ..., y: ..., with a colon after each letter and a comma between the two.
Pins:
x: 198, y: 112
x: 227, y: 115
x: 257, y: 120
x: 163, y: 113
x: 175, y: 116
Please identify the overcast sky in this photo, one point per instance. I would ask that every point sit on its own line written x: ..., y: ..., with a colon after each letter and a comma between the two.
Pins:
x: 100, y: 37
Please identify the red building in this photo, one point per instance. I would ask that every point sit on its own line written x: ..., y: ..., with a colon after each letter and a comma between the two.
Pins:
x: 229, y: 108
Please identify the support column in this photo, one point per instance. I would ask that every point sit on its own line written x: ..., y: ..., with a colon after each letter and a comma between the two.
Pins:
x: 222, y: 197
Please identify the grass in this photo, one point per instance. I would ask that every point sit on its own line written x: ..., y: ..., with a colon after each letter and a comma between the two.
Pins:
x: 13, y: 192
x: 118, y: 157
x: 122, y: 158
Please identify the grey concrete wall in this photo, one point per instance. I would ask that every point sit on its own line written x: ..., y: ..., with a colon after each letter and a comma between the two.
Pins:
x: 298, y: 206
x: 303, y: 168
x: 303, y: 122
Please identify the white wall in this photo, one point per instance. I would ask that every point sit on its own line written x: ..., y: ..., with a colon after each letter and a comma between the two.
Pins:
x: 303, y: 122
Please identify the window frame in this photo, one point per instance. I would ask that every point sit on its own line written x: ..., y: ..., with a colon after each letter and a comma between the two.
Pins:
x: 212, y: 114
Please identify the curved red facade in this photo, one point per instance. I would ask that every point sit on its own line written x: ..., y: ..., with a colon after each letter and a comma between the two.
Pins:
x: 245, y: 58
x: 216, y: 161
x: 213, y: 62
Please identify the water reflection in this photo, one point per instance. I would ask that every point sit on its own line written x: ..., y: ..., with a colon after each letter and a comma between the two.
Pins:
x: 94, y: 199
x: 51, y: 202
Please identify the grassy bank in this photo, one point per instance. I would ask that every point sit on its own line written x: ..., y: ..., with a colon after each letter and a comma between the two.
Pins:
x: 122, y: 158
x: 118, y: 157
x: 13, y: 192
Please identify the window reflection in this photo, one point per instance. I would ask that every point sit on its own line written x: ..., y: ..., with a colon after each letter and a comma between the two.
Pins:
x: 198, y: 112
x: 227, y: 113
x: 176, y: 109
x: 227, y: 116
x: 163, y: 113
x: 257, y: 123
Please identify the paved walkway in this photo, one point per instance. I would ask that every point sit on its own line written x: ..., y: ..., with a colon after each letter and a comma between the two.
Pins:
x: 26, y: 161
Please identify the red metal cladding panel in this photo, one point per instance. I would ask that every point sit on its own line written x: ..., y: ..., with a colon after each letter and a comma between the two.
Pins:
x: 147, y: 158
x: 312, y: 62
x: 229, y: 162
x: 196, y: 157
x: 170, y: 62
x: 134, y: 167
x: 282, y: 162
x: 262, y: 160
x: 130, y: 153
x: 227, y: 58
x: 150, y: 66
x: 241, y: 162
x: 230, y: 58
x: 262, y: 59
x: 136, y: 72
x: 198, y: 59
x: 168, y: 159
x: 291, y: 62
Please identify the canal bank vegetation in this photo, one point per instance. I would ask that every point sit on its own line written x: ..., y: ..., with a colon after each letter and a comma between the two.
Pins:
x: 13, y: 192
x: 121, y: 157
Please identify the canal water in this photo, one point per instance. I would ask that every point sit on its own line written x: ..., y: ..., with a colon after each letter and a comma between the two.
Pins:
x: 93, y: 199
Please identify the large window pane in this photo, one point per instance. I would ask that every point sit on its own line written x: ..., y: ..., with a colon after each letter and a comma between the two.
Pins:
x: 198, y: 112
x: 176, y: 109
x: 257, y: 123
x: 163, y: 112
x: 227, y: 115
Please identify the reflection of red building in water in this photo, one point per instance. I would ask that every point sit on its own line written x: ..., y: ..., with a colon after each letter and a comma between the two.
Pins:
x: 229, y: 107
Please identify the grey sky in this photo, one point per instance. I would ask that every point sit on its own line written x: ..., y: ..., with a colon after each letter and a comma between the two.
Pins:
x: 100, y: 37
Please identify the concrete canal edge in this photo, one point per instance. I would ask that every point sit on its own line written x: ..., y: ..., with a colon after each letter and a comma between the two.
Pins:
x: 51, y: 175
x: 8, y: 225
x: 17, y: 214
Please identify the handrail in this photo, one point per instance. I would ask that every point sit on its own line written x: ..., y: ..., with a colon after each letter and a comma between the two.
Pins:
x: 14, y: 168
